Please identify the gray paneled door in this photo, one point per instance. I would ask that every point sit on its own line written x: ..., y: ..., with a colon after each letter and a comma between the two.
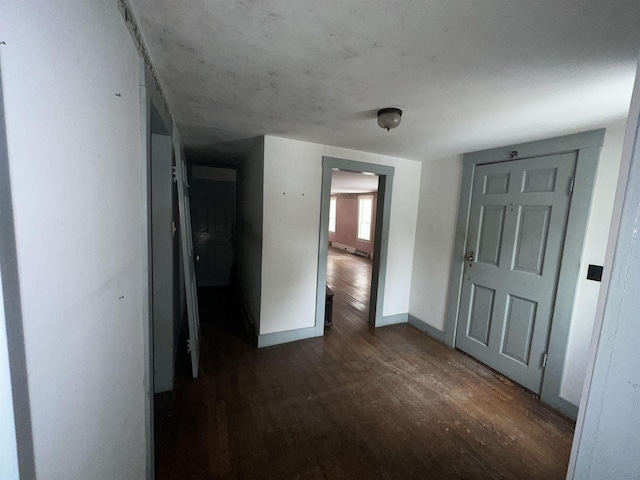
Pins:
x: 213, y: 213
x: 515, y: 237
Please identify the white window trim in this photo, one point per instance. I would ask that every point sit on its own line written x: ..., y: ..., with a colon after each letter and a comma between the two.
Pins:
x: 360, y: 198
x: 333, y: 200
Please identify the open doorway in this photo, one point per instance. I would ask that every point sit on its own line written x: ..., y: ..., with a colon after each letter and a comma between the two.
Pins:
x: 213, y: 223
x: 213, y: 219
x: 352, y: 214
x: 164, y: 298
x: 378, y: 226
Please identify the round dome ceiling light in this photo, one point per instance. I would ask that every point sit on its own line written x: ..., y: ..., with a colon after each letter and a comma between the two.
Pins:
x: 389, y: 118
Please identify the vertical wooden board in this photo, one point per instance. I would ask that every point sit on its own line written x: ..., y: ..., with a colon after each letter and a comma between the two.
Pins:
x: 187, y: 255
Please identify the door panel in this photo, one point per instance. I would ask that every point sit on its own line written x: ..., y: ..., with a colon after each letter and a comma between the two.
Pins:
x: 516, y: 230
x: 521, y: 314
x: 541, y: 180
x: 533, y: 232
x: 481, y: 312
x: 497, y: 183
x: 490, y: 235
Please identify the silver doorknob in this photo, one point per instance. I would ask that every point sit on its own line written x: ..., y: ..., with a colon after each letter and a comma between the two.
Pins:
x: 469, y: 256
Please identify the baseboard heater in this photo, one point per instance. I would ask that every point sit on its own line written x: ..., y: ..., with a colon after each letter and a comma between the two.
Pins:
x: 350, y: 249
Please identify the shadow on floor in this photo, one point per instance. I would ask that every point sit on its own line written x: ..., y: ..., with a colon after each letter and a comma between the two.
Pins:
x: 220, y: 323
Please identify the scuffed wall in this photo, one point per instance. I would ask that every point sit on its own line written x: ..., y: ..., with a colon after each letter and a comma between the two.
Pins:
x: 70, y: 75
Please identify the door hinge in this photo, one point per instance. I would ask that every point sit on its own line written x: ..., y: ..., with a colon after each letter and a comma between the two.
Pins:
x: 571, y: 185
x: 173, y: 229
x: 544, y: 359
x: 175, y: 176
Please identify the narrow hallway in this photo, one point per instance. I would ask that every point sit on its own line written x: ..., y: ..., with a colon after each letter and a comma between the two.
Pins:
x: 357, y: 403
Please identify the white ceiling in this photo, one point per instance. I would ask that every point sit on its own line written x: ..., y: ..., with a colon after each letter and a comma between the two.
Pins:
x: 352, y: 182
x: 469, y: 74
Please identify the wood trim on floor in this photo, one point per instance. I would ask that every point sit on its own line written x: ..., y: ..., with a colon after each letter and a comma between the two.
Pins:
x: 423, y: 326
x: 392, y: 319
x: 276, y: 338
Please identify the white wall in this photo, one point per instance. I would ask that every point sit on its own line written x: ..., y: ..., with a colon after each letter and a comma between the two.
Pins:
x: 292, y: 190
x: 249, y: 198
x: 72, y: 108
x: 584, y: 308
x: 607, y: 437
x: 439, y: 197
x: 437, y: 214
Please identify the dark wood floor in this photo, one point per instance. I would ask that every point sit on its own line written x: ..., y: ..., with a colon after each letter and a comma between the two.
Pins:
x: 358, y: 403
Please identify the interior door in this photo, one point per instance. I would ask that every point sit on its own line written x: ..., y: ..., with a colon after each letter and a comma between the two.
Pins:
x: 515, y: 238
x: 213, y: 216
x: 162, y: 241
x: 187, y: 257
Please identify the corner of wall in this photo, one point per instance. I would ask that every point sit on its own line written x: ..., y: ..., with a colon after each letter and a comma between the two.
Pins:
x: 249, y: 234
x: 440, y: 182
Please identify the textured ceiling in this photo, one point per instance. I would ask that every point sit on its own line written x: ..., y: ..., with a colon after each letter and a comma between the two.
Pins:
x: 352, y: 182
x: 468, y: 74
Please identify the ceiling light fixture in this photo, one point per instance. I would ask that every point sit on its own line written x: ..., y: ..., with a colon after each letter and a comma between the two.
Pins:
x: 389, y: 118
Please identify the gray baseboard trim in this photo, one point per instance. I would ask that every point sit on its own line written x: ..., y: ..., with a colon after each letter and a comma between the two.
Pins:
x: 433, y: 332
x: 160, y: 386
x: 277, y: 338
x: 565, y: 407
x: 392, y: 319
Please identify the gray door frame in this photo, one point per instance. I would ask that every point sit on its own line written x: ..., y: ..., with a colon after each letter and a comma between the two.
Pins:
x: 163, y: 318
x: 149, y: 96
x: 587, y: 148
x: 381, y: 235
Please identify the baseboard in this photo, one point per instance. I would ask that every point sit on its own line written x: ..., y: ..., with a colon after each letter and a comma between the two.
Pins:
x: 161, y: 386
x: 392, y: 319
x: 565, y: 407
x: 433, y: 332
x: 343, y: 247
x: 277, y: 338
x: 350, y: 249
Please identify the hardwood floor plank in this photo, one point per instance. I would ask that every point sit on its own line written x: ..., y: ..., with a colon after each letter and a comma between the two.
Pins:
x: 388, y: 403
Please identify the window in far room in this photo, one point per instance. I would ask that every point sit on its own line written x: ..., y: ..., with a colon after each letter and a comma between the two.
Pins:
x: 365, y: 211
x: 332, y: 214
